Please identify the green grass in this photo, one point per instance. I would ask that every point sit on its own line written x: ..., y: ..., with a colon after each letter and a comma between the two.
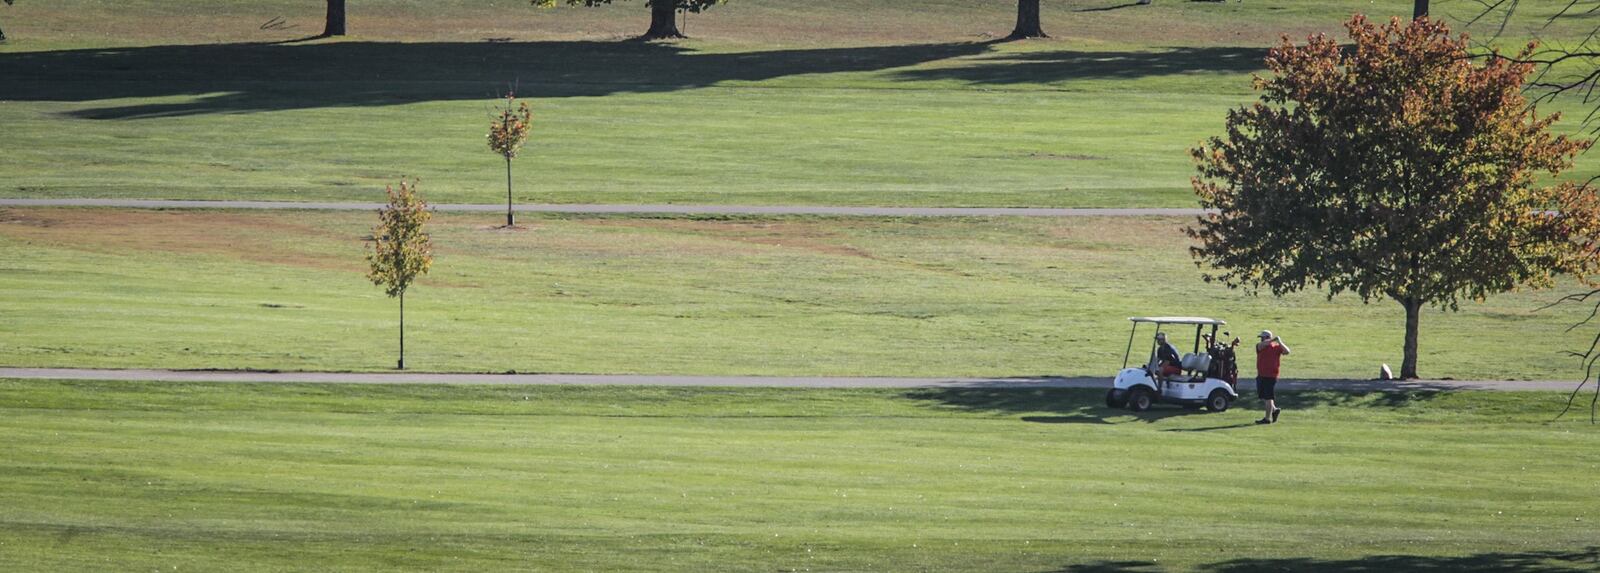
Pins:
x: 843, y: 103
x: 133, y: 476
x: 774, y: 296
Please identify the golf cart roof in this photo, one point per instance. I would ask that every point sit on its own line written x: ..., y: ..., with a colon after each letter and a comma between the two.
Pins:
x: 1178, y: 320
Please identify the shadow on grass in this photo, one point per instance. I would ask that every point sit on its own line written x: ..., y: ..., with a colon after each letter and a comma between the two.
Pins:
x: 1087, y: 405
x: 309, y: 73
x: 1527, y: 562
x: 247, y: 77
x: 1109, y: 8
x: 1063, y: 65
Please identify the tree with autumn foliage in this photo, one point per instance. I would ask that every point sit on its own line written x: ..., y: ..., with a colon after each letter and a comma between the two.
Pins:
x: 507, y: 132
x: 400, y: 250
x: 1401, y: 167
x: 663, y: 13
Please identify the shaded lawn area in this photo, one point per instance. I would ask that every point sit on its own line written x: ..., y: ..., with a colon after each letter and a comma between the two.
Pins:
x: 685, y: 295
x: 616, y: 122
x: 836, y: 103
x: 265, y: 477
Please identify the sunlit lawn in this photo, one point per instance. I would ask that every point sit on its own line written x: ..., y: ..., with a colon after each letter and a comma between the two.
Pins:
x: 773, y: 296
x: 138, y: 476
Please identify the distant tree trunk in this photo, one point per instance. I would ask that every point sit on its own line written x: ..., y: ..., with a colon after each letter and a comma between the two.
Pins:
x: 663, y: 20
x: 1408, y: 366
x: 335, y: 26
x: 1028, y: 25
x: 1419, y: 9
x: 2, y: 35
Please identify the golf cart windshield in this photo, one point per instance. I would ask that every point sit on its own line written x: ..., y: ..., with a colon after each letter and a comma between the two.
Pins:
x: 1199, y: 325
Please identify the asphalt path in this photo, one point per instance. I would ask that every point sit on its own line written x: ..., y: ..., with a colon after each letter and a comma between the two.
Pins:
x: 249, y: 376
x: 627, y: 209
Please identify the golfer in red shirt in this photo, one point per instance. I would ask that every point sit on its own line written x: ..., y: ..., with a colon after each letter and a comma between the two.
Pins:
x: 1268, y: 353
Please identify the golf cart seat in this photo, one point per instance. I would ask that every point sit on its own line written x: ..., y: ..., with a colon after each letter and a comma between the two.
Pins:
x: 1197, y: 362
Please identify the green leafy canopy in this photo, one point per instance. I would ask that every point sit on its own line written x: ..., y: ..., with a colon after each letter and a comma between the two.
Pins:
x: 400, y: 249
x: 1402, y: 168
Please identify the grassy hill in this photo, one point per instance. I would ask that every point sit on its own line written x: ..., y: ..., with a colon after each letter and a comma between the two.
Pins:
x: 909, y: 102
x: 109, y: 475
x: 772, y: 296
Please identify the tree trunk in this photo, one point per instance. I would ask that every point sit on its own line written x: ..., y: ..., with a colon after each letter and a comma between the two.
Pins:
x: 663, y: 20
x: 402, y: 365
x: 1408, y: 365
x: 1028, y: 25
x: 335, y: 26
x: 1419, y: 9
x: 510, y: 219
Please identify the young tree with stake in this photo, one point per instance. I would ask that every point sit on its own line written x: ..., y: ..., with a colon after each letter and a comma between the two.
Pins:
x: 507, y: 132
x: 400, y: 250
x: 1397, y: 168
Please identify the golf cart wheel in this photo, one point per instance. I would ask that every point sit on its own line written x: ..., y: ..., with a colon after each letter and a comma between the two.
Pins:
x: 1112, y: 401
x: 1140, y: 399
x: 1218, y: 401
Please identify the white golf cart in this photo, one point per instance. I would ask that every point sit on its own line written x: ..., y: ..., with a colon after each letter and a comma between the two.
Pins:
x: 1197, y: 385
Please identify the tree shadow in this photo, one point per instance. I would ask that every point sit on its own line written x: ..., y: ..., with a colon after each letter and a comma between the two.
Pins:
x: 1213, y: 428
x: 1049, y: 405
x: 250, y: 77
x: 1065, y: 65
x: 1111, y: 567
x: 1087, y: 405
x: 308, y: 73
x: 1526, y: 562
x: 1108, y: 8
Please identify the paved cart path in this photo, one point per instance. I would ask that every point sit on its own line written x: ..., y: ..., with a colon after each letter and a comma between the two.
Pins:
x: 749, y: 381
x: 638, y: 209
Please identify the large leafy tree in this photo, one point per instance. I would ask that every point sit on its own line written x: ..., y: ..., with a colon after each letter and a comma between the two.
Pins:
x: 663, y: 13
x: 1398, y: 168
x: 1566, y: 70
x: 400, y: 250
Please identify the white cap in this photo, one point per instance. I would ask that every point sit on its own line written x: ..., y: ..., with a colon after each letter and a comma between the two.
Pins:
x: 1265, y: 334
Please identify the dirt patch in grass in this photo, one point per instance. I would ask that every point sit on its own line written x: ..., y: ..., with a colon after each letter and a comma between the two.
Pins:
x: 805, y: 236
x: 262, y: 238
x: 1121, y: 232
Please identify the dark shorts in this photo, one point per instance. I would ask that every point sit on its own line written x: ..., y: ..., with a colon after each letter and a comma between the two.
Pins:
x: 1267, y: 388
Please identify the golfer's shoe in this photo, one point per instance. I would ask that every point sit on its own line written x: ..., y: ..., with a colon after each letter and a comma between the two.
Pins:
x: 1275, y: 412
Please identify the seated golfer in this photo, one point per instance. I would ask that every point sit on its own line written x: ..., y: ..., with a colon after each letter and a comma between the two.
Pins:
x: 1167, y: 361
x: 1269, y: 352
